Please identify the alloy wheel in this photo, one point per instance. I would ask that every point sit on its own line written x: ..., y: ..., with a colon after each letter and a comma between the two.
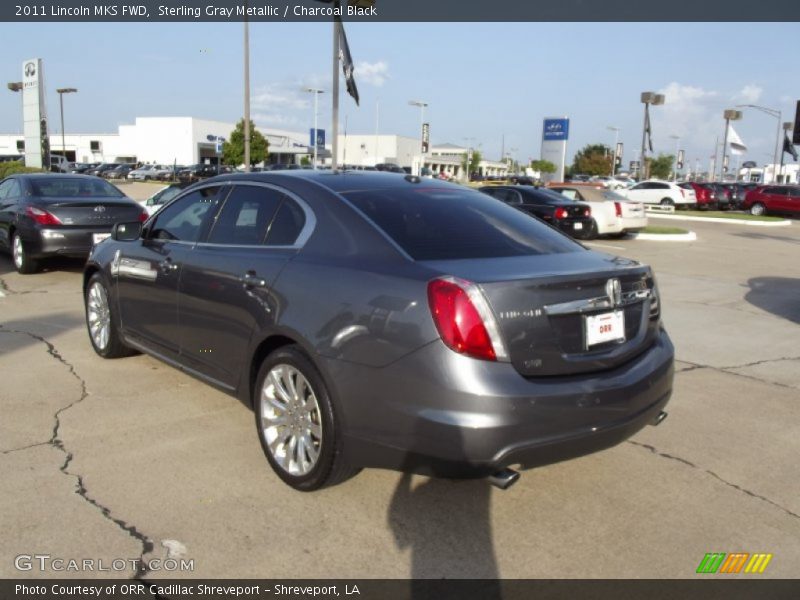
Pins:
x: 18, y: 252
x: 98, y: 316
x: 291, y: 420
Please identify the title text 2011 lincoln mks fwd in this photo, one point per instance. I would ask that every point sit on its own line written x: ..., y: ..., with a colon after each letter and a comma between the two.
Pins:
x: 381, y: 320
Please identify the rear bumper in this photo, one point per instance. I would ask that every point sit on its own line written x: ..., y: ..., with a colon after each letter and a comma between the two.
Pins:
x: 577, y: 228
x: 62, y: 242
x: 439, y: 413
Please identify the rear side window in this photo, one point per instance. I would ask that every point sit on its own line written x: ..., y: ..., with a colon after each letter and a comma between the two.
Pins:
x: 287, y: 225
x: 247, y: 213
x: 441, y: 224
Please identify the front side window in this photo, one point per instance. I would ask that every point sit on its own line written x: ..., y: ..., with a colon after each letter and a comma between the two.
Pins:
x: 183, y: 220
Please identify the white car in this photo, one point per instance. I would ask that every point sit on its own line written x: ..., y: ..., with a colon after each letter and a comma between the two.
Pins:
x: 609, y: 182
x: 148, y: 172
x: 665, y: 193
x: 162, y: 196
x: 614, y: 214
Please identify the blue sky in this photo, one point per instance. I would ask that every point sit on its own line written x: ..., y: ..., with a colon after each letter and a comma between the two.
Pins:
x: 480, y: 80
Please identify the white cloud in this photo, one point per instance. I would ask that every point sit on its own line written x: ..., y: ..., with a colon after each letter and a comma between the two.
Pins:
x: 371, y: 73
x: 749, y: 94
x: 278, y: 96
x: 280, y: 121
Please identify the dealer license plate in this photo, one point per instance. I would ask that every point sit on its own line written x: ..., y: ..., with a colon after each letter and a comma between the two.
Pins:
x: 606, y: 327
x: 99, y: 237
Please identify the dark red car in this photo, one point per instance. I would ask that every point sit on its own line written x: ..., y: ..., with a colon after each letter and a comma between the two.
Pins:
x: 781, y: 199
x: 706, y: 194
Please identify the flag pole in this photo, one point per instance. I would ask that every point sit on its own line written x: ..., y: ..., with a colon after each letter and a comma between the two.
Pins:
x: 335, y: 93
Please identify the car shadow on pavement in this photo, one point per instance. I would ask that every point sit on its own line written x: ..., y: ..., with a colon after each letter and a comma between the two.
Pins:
x: 446, y: 524
x: 60, y: 263
x: 777, y: 295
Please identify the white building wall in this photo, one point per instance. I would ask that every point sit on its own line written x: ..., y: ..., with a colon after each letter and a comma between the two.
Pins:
x: 369, y: 150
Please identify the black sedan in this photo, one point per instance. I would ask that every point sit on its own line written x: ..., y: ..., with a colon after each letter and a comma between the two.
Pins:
x: 377, y: 320
x: 197, y: 172
x: 101, y: 168
x: 119, y: 172
x: 58, y: 215
x: 573, y: 218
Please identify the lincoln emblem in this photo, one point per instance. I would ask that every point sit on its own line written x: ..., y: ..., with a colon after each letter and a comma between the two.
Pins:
x: 614, y: 291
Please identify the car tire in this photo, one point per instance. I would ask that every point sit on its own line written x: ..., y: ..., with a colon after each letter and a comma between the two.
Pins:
x: 667, y: 202
x: 297, y: 422
x: 24, y: 264
x: 758, y: 209
x: 102, y: 321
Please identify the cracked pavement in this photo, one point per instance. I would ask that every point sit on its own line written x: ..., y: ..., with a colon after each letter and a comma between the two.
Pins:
x: 129, y: 458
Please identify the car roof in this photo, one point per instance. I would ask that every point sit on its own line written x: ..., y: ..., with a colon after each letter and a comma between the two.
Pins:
x: 341, y: 181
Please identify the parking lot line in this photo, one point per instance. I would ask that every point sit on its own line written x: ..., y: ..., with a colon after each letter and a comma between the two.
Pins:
x: 606, y: 246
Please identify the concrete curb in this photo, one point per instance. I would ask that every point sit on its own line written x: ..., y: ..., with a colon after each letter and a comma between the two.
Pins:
x: 665, y: 237
x: 784, y: 223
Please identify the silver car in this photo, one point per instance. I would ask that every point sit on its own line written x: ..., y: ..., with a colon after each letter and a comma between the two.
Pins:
x: 377, y: 320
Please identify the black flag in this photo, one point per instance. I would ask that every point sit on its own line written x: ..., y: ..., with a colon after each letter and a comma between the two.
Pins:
x: 788, y: 147
x: 347, y: 62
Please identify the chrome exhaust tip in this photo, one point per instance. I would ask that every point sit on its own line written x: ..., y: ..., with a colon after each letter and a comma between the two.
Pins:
x: 504, y: 478
x: 659, y: 418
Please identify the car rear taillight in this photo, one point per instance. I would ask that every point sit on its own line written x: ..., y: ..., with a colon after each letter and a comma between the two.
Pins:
x: 683, y: 192
x: 618, y: 209
x: 143, y: 216
x: 41, y: 216
x: 464, y: 320
x: 561, y: 213
x: 587, y: 212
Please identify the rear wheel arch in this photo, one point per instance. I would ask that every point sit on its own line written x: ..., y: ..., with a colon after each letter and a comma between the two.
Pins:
x: 266, y: 347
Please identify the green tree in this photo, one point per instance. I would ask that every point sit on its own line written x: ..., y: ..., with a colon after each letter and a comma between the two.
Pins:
x: 543, y: 166
x: 476, y: 159
x: 593, y: 159
x: 233, y: 149
x: 305, y: 160
x: 660, y: 167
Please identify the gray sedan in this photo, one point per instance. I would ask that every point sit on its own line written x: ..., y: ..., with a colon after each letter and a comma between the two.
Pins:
x: 376, y: 320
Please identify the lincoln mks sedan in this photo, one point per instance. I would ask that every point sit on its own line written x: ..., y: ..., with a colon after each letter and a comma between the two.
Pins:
x: 377, y: 320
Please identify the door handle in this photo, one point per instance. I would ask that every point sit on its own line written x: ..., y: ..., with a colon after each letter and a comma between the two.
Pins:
x: 168, y: 266
x: 250, y: 280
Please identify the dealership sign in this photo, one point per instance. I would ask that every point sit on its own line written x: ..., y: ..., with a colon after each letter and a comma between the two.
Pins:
x: 555, y: 130
x: 34, y: 117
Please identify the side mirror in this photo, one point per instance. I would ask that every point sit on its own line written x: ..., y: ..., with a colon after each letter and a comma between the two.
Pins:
x: 126, y: 232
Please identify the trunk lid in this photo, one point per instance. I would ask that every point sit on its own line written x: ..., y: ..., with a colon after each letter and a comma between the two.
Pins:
x: 544, y: 304
x: 632, y: 209
x: 95, y: 212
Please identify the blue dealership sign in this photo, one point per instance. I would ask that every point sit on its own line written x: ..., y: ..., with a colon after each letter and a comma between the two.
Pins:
x: 320, y: 138
x: 555, y: 130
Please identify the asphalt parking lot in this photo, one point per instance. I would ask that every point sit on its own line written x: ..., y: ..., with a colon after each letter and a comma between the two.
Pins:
x: 130, y: 458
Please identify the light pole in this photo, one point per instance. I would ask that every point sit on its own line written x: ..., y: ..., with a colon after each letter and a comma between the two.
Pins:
x: 647, y: 99
x: 422, y: 106
x: 61, y: 92
x: 470, y: 141
x: 246, y: 93
x: 729, y: 115
x: 616, y: 141
x: 316, y: 93
x: 677, y: 139
x: 774, y: 113
x: 787, y: 127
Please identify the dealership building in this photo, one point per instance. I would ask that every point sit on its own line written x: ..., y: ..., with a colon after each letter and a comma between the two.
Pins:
x: 188, y: 140
x: 160, y: 140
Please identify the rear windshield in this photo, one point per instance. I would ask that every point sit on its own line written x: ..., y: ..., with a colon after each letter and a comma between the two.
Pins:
x: 73, y: 187
x: 442, y: 224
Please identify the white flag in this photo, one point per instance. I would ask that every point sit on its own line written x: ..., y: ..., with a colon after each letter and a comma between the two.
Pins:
x: 735, y: 142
